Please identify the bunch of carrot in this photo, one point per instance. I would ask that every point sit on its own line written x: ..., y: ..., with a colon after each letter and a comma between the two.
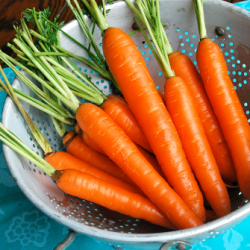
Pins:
x: 192, y: 141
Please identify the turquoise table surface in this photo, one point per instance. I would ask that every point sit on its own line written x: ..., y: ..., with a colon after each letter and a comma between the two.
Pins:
x: 23, y: 226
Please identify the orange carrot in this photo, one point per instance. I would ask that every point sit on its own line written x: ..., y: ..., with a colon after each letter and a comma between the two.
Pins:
x: 151, y: 159
x: 79, y: 149
x: 184, y: 68
x: 91, y: 144
x: 116, y: 97
x: 182, y: 109
x: 116, y: 144
x: 68, y: 136
x: 123, y: 117
x: 88, y: 187
x: 62, y: 160
x: 225, y: 102
x: 131, y: 74
x: 77, y: 128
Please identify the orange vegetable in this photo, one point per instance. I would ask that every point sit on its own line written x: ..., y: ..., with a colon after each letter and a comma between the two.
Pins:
x: 227, y: 107
x: 91, y: 144
x: 62, y: 160
x: 225, y: 102
x: 184, y: 68
x: 123, y: 117
x: 151, y: 159
x: 182, y: 109
x: 86, y: 186
x: 77, y: 128
x: 116, y: 144
x: 79, y: 149
x: 131, y: 74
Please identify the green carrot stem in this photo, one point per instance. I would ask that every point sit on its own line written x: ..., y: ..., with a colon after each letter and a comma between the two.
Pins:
x: 106, y: 74
x: 98, y: 16
x: 149, y: 43
x: 17, y: 51
x: 25, y: 27
x: 45, y: 71
x: 132, y: 7
x: 59, y: 125
x: 49, y: 54
x: 87, y: 89
x: 7, y: 59
x: 17, y: 145
x: 164, y: 58
x: 59, y: 109
x: 199, y: 11
x: 59, y: 29
x: 78, y: 72
x: 34, y: 130
x: 63, y: 85
x: 85, y: 28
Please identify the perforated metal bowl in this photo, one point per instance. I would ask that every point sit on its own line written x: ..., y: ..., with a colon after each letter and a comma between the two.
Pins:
x: 88, y: 218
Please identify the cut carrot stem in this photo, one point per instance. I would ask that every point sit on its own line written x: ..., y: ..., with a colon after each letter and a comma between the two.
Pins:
x: 182, y: 109
x: 123, y: 116
x: 88, y: 187
x: 129, y: 69
x: 78, y: 148
x: 225, y: 102
x: 62, y: 160
x: 114, y: 142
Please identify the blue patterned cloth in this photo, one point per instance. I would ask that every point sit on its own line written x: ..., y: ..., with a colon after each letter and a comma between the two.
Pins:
x: 23, y: 226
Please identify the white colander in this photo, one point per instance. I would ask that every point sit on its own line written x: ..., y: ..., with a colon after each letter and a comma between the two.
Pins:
x: 88, y: 218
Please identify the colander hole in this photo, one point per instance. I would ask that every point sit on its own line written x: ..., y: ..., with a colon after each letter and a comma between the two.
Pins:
x: 71, y: 200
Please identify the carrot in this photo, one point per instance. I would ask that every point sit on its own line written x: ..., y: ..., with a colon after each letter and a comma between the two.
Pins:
x: 68, y: 136
x: 116, y: 97
x: 225, y: 102
x: 131, y: 74
x: 88, y: 187
x: 182, y: 109
x: 77, y: 129
x: 184, y: 68
x: 151, y: 159
x: 91, y: 143
x: 116, y: 144
x: 123, y: 117
x: 79, y: 149
x: 62, y: 160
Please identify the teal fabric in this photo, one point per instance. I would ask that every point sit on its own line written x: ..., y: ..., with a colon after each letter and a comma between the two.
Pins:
x: 23, y: 226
